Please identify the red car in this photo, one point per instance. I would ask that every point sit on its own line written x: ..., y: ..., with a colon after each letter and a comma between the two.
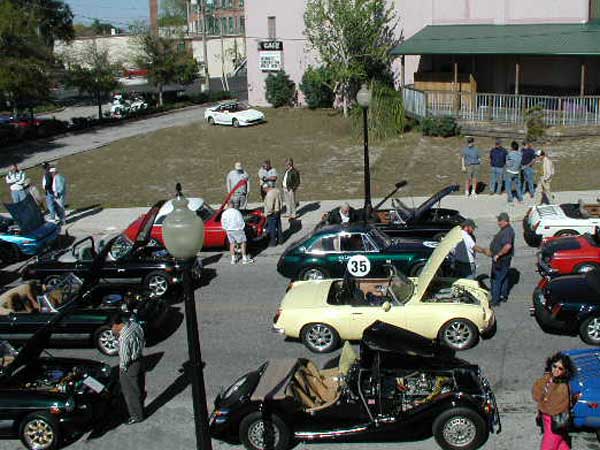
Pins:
x: 214, y: 234
x: 572, y: 254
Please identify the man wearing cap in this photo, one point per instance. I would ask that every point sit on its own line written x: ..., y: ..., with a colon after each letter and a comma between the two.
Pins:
x: 49, y: 187
x: 497, y: 163
x: 528, y: 158
x: 471, y: 163
x: 464, y: 253
x: 240, y: 197
x: 501, y: 250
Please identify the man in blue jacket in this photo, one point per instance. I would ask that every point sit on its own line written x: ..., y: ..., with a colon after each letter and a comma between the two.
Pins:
x: 497, y: 162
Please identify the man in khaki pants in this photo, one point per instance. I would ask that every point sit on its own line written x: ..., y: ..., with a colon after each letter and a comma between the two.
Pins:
x: 291, y: 181
x: 544, y: 189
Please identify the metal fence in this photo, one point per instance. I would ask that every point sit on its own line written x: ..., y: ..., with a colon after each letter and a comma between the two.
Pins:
x: 502, y: 108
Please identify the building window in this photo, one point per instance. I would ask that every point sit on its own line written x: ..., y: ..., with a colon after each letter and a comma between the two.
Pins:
x: 231, y: 26
x: 272, y: 30
x: 242, y: 24
x: 240, y: 3
x: 594, y: 10
x: 224, y: 25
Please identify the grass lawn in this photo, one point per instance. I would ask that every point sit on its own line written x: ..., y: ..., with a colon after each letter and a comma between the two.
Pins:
x: 138, y: 171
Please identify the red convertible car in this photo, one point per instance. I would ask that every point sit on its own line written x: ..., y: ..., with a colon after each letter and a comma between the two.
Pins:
x: 214, y: 234
x: 572, y: 254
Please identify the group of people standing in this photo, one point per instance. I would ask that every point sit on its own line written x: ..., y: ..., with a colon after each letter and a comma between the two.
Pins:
x: 273, y: 199
x: 54, y: 185
x: 513, y: 168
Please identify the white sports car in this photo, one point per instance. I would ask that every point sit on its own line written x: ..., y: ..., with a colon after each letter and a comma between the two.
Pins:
x: 234, y: 114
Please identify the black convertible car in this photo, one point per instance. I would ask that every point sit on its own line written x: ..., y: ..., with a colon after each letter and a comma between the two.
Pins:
x: 45, y: 399
x: 425, y: 221
x: 119, y: 260
x: 402, y: 387
x: 86, y: 315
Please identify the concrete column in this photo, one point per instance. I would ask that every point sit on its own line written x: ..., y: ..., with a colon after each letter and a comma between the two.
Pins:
x: 517, y: 77
x: 154, y: 17
x: 582, y: 80
x: 402, y: 71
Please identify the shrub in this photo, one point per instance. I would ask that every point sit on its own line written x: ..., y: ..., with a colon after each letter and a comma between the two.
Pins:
x: 280, y: 90
x: 52, y: 127
x: 444, y: 126
x: 534, y: 121
x: 316, y: 86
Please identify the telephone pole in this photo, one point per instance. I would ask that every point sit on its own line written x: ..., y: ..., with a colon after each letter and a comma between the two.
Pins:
x: 205, y: 44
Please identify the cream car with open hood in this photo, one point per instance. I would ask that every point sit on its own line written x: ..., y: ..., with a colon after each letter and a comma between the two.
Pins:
x: 323, y: 312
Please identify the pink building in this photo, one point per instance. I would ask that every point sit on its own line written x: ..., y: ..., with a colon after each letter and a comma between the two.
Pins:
x: 494, y: 68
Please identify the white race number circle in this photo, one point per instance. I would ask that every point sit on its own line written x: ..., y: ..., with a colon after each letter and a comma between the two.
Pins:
x: 359, y: 265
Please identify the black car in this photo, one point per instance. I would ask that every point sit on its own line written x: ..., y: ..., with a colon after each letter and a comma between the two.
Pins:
x: 402, y: 387
x: 401, y: 220
x: 45, y: 399
x: 325, y: 252
x: 86, y: 313
x: 569, y: 305
x: 119, y: 260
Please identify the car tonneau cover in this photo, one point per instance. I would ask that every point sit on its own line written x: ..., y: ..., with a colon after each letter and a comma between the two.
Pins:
x: 274, y: 380
x: 587, y: 382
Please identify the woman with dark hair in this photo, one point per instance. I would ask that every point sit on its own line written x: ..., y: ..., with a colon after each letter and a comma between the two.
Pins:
x: 551, y: 392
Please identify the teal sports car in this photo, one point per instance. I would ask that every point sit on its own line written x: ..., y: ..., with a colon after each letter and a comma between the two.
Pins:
x: 325, y: 252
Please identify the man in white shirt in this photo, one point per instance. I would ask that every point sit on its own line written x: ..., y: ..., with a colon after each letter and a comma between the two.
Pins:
x: 233, y: 224
x: 464, y: 253
x: 16, y: 181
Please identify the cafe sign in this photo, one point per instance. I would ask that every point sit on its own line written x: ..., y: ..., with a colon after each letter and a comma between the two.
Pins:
x: 270, y: 56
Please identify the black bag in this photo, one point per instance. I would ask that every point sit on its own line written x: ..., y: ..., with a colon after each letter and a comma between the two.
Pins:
x: 561, y: 422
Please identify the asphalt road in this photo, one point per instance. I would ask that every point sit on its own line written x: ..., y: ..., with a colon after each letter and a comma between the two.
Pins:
x: 235, y: 311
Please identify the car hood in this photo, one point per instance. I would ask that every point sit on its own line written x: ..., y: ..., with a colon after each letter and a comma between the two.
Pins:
x: 560, y: 244
x: 229, y: 196
x: 435, y: 198
x: 26, y: 213
x: 249, y: 114
x: 307, y: 294
x: 436, y: 260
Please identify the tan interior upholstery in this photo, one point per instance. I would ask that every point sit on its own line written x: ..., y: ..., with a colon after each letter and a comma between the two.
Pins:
x: 312, y: 389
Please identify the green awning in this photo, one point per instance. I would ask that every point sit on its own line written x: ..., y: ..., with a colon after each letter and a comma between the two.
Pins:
x: 523, y: 39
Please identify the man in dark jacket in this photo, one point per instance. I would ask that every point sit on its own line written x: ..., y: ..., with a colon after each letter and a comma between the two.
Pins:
x: 291, y: 182
x: 497, y: 161
x: 343, y: 214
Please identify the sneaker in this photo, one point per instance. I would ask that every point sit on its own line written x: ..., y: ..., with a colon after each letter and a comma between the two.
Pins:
x: 247, y: 261
x: 475, y: 195
x: 467, y: 193
x: 233, y: 260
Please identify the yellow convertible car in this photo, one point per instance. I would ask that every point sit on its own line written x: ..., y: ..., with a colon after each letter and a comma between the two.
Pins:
x: 323, y: 312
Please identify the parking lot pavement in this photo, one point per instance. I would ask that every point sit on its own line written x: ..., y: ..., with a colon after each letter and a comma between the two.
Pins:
x: 235, y: 311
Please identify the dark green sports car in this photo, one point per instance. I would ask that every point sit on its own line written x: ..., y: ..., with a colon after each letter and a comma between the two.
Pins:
x: 325, y: 252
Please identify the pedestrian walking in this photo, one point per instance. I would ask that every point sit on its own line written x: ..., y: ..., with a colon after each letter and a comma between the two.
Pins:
x: 497, y: 163
x: 290, y: 182
x: 267, y: 177
x: 272, y: 209
x: 131, y: 370
x: 553, y: 397
x: 512, y: 179
x: 528, y: 159
x: 464, y: 253
x: 54, y: 208
x: 60, y: 188
x: 16, y: 182
x: 240, y: 196
x: 544, y: 187
x: 471, y: 164
x: 501, y: 251
x: 234, y: 225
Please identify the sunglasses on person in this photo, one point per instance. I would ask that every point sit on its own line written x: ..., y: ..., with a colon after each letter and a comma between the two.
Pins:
x: 558, y: 367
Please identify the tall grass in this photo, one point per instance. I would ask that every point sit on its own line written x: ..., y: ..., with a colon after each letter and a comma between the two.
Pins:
x: 386, y: 117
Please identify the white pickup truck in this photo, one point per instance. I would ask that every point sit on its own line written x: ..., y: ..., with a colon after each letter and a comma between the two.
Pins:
x: 566, y: 219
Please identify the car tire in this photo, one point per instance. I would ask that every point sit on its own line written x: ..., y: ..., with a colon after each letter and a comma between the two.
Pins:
x: 105, y: 341
x: 235, y: 123
x: 252, y: 432
x: 211, y: 121
x: 320, y: 338
x: 459, y: 334
x: 52, y: 280
x: 416, y: 270
x: 157, y: 282
x: 585, y: 267
x: 460, y: 429
x: 40, y: 431
x: 563, y: 233
x: 313, y: 273
x: 589, y: 330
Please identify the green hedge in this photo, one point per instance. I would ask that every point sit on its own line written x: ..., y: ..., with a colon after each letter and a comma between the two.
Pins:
x: 444, y: 126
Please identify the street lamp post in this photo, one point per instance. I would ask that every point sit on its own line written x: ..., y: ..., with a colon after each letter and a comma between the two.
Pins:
x: 183, y: 233
x: 363, y: 98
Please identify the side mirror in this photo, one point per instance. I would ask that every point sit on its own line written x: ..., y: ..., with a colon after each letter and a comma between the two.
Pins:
x: 386, y: 306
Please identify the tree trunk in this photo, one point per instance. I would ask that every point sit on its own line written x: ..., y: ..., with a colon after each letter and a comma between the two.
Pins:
x: 160, y: 95
x: 99, y: 101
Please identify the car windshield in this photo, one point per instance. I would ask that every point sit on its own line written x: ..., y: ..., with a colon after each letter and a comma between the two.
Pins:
x: 381, y: 239
x: 120, y: 247
x: 205, y: 212
x: 401, y: 288
x: 234, y: 107
x: 7, y: 354
x: 60, y: 293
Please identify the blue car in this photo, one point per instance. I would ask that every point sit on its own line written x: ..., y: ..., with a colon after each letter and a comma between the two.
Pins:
x: 26, y: 233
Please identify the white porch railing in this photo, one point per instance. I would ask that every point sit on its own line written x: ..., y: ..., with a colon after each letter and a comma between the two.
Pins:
x: 502, y: 108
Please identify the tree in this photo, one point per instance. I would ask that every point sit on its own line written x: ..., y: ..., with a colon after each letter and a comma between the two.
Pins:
x: 93, y: 73
x: 95, y: 28
x: 173, y: 13
x: 52, y: 19
x: 280, y: 90
x: 316, y: 86
x: 354, y: 39
x: 166, y: 61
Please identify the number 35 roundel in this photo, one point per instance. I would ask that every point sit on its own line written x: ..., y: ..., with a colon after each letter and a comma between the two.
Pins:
x: 359, y: 266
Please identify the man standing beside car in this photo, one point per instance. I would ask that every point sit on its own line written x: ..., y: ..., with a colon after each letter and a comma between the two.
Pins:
x: 528, y: 158
x: 234, y: 225
x: 240, y: 197
x: 501, y: 251
x: 291, y: 182
x: 464, y: 253
x: 16, y: 182
x: 267, y: 177
x: 272, y: 210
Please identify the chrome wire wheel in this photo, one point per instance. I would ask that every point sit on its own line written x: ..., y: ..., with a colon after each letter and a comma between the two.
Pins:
x: 593, y: 329
x: 313, y: 274
x: 459, y: 431
x: 38, y: 434
x: 108, y: 342
x: 459, y: 335
x: 256, y: 435
x: 158, y: 284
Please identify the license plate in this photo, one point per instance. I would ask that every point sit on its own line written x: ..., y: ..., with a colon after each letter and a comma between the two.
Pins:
x: 93, y: 384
